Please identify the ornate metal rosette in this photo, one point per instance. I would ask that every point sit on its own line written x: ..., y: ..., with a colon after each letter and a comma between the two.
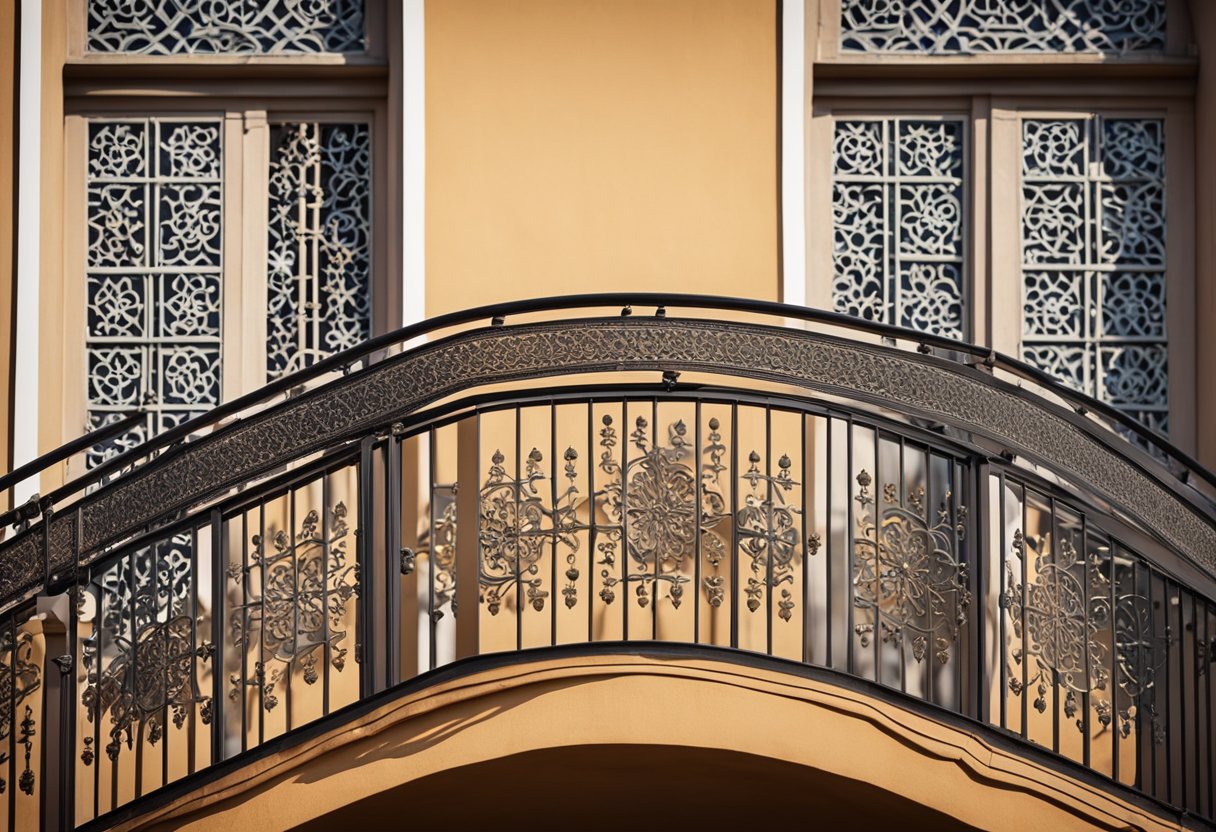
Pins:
x: 907, y: 570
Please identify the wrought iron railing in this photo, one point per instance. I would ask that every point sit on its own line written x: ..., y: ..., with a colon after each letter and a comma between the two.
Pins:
x: 898, y: 513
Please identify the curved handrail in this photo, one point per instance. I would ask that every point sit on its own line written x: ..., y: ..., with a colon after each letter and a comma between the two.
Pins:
x: 660, y: 301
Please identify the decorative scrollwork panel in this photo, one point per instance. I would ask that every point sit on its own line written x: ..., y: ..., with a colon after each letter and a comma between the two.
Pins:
x: 226, y: 27
x: 293, y: 587
x: 1093, y: 258
x: 1090, y: 640
x: 154, y: 273
x: 899, y: 231
x: 145, y: 663
x: 319, y: 245
x: 22, y: 674
x: 963, y: 27
x: 909, y: 569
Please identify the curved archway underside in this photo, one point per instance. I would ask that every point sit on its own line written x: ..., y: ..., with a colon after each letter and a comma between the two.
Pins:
x: 604, y: 739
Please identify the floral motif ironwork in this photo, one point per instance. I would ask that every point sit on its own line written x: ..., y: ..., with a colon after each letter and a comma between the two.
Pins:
x: 1058, y: 616
x: 148, y: 670
x: 318, y: 279
x: 1064, y: 617
x: 945, y: 27
x: 307, y: 582
x: 1093, y: 243
x: 898, y: 222
x: 653, y: 499
x: 154, y: 273
x: 515, y: 527
x: 226, y: 27
x: 768, y: 534
x: 438, y: 544
x: 908, y: 572
x: 20, y: 678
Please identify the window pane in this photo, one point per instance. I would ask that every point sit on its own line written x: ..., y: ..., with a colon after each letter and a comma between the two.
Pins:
x: 943, y: 27
x: 897, y: 207
x: 219, y: 27
x: 1093, y: 258
x: 319, y: 247
x: 154, y: 272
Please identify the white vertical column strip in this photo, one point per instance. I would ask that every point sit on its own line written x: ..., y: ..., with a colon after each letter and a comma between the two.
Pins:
x: 413, y: 236
x: 793, y: 178
x: 29, y: 208
x: 413, y: 165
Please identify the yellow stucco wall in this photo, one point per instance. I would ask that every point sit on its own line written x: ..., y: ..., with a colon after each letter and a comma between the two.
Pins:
x: 600, y: 145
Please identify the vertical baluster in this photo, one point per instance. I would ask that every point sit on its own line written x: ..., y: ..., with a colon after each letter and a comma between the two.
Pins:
x: 699, y: 512
x: 591, y: 520
x: 219, y: 561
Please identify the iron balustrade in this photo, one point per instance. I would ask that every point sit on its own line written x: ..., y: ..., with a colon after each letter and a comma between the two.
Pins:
x: 893, y: 515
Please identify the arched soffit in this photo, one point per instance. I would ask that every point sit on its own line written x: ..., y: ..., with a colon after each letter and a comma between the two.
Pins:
x: 922, y: 385
x: 819, y: 737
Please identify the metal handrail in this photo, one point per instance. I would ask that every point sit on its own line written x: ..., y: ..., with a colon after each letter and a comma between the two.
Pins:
x: 660, y: 301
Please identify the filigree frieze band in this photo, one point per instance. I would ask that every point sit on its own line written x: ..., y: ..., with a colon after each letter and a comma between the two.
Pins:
x: 961, y: 27
x: 226, y: 27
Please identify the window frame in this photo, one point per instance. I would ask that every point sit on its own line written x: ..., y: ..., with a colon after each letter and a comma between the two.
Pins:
x: 892, y: 256
x: 246, y: 151
x: 1007, y: 284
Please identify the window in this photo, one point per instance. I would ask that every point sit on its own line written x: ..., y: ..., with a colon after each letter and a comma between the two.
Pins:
x: 1094, y: 259
x: 154, y: 280
x: 231, y: 238
x: 319, y: 259
x: 897, y: 214
x: 996, y: 171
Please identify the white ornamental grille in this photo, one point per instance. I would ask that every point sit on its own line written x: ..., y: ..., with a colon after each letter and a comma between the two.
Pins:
x: 960, y: 27
x: 226, y: 27
x: 319, y: 268
x: 154, y: 272
x: 1093, y: 258
x: 898, y: 230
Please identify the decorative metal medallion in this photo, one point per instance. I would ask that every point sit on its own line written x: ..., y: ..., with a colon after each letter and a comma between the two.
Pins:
x: 516, y: 524
x: 140, y: 661
x: 768, y: 534
x: 1063, y: 618
x: 907, y: 570
x: 307, y: 581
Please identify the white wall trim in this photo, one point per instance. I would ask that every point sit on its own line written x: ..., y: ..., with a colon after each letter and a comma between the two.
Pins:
x: 413, y: 163
x: 27, y: 279
x: 793, y: 164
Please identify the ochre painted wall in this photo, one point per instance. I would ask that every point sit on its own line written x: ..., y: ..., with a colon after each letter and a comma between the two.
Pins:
x: 8, y: 224
x: 600, y: 145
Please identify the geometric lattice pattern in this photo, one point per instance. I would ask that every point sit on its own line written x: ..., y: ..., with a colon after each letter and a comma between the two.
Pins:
x: 319, y: 267
x: 1093, y: 258
x: 943, y: 27
x: 218, y: 27
x: 154, y: 272
x: 898, y: 230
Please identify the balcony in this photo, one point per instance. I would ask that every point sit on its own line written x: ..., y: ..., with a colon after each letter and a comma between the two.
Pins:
x: 617, y: 480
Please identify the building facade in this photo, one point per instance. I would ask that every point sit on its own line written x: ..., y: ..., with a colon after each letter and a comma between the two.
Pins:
x: 785, y: 409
